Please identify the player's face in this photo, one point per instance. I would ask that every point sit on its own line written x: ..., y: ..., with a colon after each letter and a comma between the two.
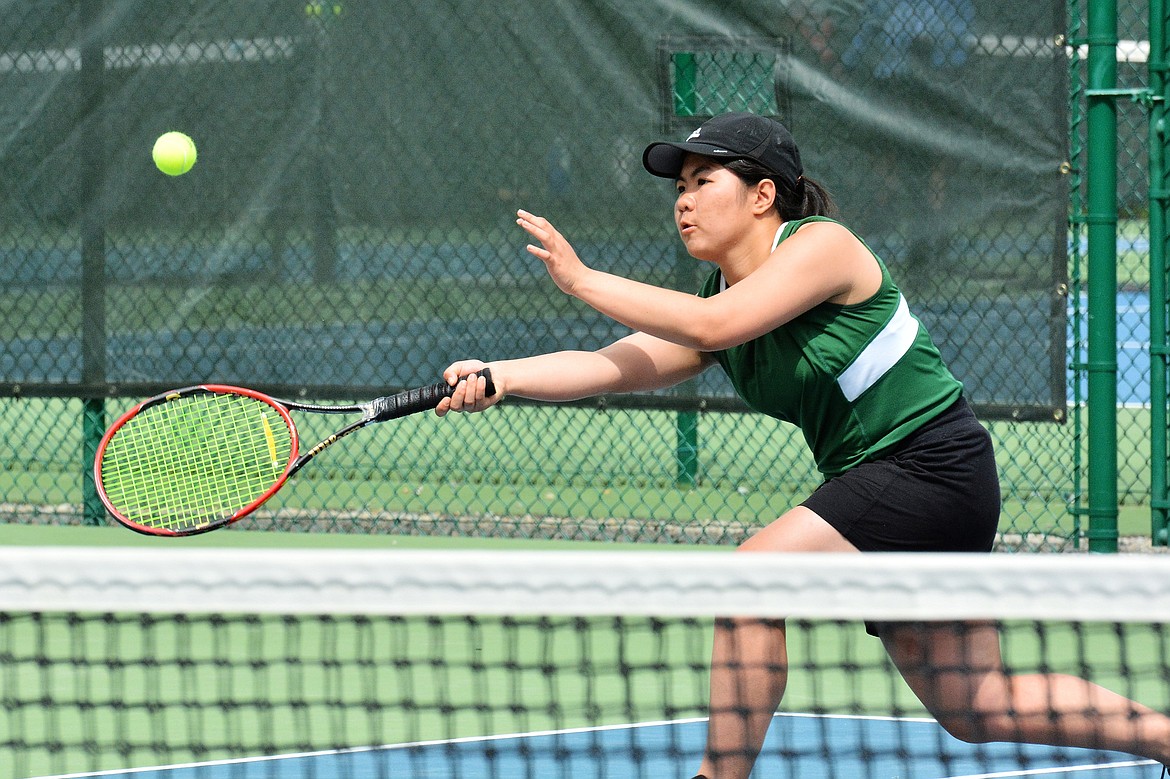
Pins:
x: 711, y: 211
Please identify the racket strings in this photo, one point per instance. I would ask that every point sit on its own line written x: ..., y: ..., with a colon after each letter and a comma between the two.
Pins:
x: 195, y: 459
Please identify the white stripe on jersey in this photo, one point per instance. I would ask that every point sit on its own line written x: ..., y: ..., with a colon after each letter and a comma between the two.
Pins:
x: 881, y: 354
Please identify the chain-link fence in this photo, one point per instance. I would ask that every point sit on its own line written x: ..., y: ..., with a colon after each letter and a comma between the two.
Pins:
x: 348, y: 230
x: 1133, y: 260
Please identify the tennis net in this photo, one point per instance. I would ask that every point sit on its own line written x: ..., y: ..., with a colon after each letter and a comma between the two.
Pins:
x: 197, y: 663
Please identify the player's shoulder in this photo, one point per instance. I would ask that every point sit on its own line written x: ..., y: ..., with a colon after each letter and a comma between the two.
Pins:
x: 819, y: 225
x: 826, y: 233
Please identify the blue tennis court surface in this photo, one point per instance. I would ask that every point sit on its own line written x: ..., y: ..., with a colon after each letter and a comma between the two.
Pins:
x: 804, y: 746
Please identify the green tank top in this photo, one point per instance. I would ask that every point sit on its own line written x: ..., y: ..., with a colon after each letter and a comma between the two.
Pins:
x: 856, y: 379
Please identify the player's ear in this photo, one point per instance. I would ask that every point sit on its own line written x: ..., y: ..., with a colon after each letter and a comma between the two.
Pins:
x: 765, y: 196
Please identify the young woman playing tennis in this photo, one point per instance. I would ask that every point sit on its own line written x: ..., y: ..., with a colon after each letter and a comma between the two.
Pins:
x: 809, y: 326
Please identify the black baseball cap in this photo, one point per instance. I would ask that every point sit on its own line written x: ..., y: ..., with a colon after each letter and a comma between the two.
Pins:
x: 729, y: 137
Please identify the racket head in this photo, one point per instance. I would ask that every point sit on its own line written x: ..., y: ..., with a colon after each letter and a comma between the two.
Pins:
x: 195, y: 459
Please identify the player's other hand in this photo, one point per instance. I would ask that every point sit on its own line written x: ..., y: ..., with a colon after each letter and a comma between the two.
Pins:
x: 558, y: 255
x: 470, y: 391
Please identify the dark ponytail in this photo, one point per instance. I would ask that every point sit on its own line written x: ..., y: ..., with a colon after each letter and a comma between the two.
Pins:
x: 806, y: 198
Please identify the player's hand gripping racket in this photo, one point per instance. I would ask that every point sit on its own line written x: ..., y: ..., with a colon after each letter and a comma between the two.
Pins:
x: 195, y: 459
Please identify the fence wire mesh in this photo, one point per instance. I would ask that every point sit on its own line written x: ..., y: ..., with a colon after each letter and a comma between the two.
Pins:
x: 347, y: 230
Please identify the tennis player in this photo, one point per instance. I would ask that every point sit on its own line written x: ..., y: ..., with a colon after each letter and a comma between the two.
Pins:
x: 810, y: 327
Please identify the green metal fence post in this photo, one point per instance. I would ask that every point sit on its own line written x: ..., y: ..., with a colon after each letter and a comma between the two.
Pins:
x: 323, y: 218
x: 686, y: 422
x: 685, y: 74
x: 93, y: 425
x: 1101, y: 169
x: 687, y: 448
x: 1159, y: 197
x: 93, y: 249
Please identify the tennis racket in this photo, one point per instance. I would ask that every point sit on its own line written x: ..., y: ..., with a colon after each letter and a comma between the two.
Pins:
x: 198, y: 458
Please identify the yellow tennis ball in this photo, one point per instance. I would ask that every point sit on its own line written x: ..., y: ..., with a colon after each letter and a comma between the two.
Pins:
x: 174, y: 153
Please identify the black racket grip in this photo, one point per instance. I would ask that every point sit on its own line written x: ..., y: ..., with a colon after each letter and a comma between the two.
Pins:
x: 421, y: 398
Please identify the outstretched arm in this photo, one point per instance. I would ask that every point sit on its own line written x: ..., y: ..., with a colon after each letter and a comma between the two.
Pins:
x: 820, y: 262
x: 637, y: 363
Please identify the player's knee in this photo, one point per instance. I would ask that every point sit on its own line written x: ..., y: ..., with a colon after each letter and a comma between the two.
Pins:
x: 963, y: 727
x: 974, y: 727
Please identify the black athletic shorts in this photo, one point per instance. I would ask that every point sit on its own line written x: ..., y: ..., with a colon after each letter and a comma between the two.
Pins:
x: 938, y: 491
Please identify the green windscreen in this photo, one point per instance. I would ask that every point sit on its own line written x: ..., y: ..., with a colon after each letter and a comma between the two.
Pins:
x: 361, y: 163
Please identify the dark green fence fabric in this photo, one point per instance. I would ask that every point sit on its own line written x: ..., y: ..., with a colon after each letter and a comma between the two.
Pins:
x: 348, y: 224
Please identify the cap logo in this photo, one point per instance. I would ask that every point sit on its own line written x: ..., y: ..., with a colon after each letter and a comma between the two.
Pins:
x: 695, y: 134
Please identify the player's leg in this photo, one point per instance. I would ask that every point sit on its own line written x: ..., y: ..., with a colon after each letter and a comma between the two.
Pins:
x: 749, y: 659
x: 749, y: 671
x: 957, y: 671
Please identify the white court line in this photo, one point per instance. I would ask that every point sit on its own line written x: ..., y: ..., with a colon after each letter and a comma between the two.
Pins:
x: 1063, y: 770
x: 383, y: 748
x: 592, y: 729
x: 461, y: 740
